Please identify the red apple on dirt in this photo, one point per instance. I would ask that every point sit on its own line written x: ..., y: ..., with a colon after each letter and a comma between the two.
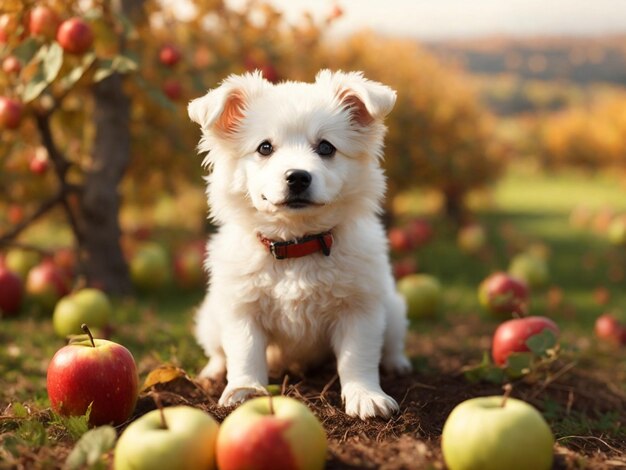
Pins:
x: 10, y: 113
x: 169, y: 55
x: 97, y: 372
x: 75, y: 36
x: 189, y: 265
x: 503, y: 295
x: 43, y: 21
x: 11, y: 65
x: 271, y: 432
x: 172, y: 89
x: 608, y: 328
x: 11, y: 292
x: 511, y: 336
x: 46, y: 284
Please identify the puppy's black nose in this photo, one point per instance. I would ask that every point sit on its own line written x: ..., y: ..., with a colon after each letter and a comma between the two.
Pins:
x: 298, y: 180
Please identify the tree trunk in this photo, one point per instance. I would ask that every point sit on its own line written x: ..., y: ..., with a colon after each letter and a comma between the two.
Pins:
x: 100, y: 249
x: 454, y: 205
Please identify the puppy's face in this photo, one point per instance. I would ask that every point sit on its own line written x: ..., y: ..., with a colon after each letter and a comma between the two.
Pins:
x: 294, y: 151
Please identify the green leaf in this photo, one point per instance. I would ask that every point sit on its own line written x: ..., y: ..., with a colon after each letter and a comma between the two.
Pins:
x: 33, y: 432
x: 518, y: 364
x: 50, y: 60
x: 19, y: 410
x: 154, y: 93
x: 485, y: 371
x: 124, y: 64
x: 540, y: 343
x: 104, y: 70
x: 89, y: 450
x: 77, y: 72
x: 26, y: 50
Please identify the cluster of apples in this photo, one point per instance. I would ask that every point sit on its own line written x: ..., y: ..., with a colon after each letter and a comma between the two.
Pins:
x: 404, y: 241
x: 25, y: 274
x: 74, y: 35
x: 604, y: 221
x: 101, y: 376
x: 169, y: 57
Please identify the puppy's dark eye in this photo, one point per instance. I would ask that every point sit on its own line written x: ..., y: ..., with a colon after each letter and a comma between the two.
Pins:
x: 265, y: 148
x: 325, y: 149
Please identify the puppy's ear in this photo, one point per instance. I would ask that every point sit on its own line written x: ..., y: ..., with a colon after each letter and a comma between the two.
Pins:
x: 367, y: 101
x: 223, y: 108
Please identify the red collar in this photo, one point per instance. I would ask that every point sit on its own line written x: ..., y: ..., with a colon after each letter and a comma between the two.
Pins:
x: 299, y: 246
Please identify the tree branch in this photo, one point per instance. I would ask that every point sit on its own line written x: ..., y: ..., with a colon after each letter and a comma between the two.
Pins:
x: 6, y: 239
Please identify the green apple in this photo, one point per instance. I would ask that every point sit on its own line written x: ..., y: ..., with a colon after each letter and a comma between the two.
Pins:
x: 496, y: 433
x: 280, y: 430
x: 184, y: 440
x: 150, y: 266
x: 90, y: 306
x: 530, y: 268
x: 21, y: 261
x: 423, y: 295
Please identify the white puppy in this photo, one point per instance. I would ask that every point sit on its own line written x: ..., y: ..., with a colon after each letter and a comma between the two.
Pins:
x: 299, y: 163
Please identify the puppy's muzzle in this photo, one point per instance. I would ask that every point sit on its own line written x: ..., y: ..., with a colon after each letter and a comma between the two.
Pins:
x: 298, y: 181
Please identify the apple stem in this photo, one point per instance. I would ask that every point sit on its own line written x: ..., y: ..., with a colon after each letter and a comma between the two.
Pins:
x: 85, y: 328
x: 159, y: 405
x: 508, y: 388
x: 271, y: 399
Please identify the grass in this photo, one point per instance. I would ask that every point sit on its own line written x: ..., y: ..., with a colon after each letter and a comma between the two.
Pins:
x: 526, y: 210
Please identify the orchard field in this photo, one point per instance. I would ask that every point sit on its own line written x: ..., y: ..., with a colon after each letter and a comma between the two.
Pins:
x: 496, y: 150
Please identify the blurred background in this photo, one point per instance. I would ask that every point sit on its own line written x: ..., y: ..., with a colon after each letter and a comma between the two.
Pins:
x: 508, y: 137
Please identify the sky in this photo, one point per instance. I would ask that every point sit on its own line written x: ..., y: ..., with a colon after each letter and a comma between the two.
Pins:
x: 444, y: 19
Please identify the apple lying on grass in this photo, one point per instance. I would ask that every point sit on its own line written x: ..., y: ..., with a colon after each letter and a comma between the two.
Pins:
x: 11, y: 292
x: 46, y: 284
x: 93, y: 372
x: 21, y: 261
x: 423, y: 295
x: 502, y: 295
x: 608, y: 328
x: 178, y: 437
x: 271, y: 432
x: 511, y: 336
x: 90, y: 306
x: 150, y: 267
x: 496, y: 433
x: 531, y: 268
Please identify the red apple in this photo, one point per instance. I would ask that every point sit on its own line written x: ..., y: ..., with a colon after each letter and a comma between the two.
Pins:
x: 43, y: 21
x: 420, y: 232
x: 609, y: 328
x: 10, y: 113
x: 269, y: 73
x: 172, y: 89
x: 46, y: 284
x: 11, y: 292
x: 404, y: 267
x: 399, y: 240
x: 511, y: 336
x: 169, y: 55
x: 75, y: 36
x: 271, y: 433
x: 65, y: 259
x: 11, y: 65
x: 503, y: 295
x: 39, y: 165
x: 94, y: 372
x: 189, y: 265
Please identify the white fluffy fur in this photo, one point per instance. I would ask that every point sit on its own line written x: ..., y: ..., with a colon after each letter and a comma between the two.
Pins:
x: 262, y: 315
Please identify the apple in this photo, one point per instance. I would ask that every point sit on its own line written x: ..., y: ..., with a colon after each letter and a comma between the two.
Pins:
x: 423, y: 295
x: 399, y: 240
x: 179, y: 437
x: 271, y: 432
x: 65, y: 259
x: 189, y: 265
x: 420, y: 232
x: 38, y: 165
x: 502, y: 295
x: 21, y: 261
x: 11, y: 292
x: 511, y: 336
x: 150, y: 266
x: 531, y: 268
x: 496, y: 433
x: 94, y: 372
x: 269, y: 73
x: 172, y: 89
x: 169, y: 55
x: 10, y: 113
x: 43, y: 21
x: 616, y: 231
x: 11, y: 65
x: 46, y: 284
x: 609, y: 328
x: 75, y: 36
x: 91, y: 306
x: 471, y: 238
x: 403, y: 267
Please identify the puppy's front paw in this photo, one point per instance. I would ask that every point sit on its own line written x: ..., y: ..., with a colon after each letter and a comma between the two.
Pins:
x: 238, y: 392
x: 364, y: 402
x: 398, y: 365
